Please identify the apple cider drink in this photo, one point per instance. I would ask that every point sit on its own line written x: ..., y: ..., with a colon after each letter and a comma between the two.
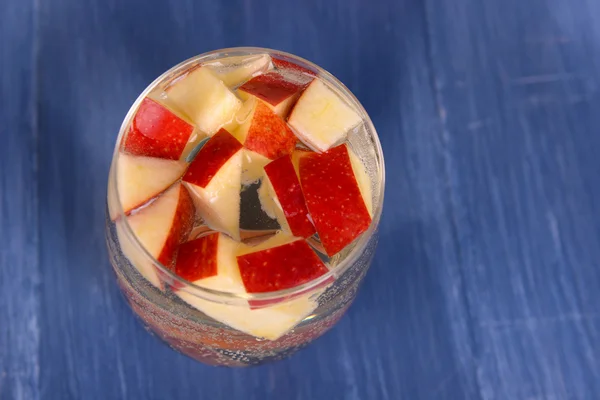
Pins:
x: 243, y: 202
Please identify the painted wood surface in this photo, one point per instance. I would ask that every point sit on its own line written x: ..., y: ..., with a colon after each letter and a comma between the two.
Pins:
x: 486, y: 281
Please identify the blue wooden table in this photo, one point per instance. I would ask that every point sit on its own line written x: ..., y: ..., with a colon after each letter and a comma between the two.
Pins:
x: 486, y: 284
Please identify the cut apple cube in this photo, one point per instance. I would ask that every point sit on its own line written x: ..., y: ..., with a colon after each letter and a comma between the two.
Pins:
x: 321, y: 118
x: 268, y: 201
x: 160, y: 227
x: 214, y: 179
x: 265, y: 133
x: 281, y: 198
x: 140, y: 178
x: 269, y: 322
x: 157, y: 132
x: 274, y: 89
x: 285, y: 65
x: 238, y: 69
x: 198, y: 258
x: 204, y: 99
x: 273, y: 266
x: 334, y: 197
x: 265, y: 137
x: 209, y: 261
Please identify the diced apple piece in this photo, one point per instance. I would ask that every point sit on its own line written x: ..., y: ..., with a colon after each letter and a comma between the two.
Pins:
x: 321, y: 118
x: 293, y: 72
x: 238, y: 69
x: 209, y: 261
x: 266, y: 134
x: 197, y: 259
x: 139, y: 178
x: 269, y: 203
x: 265, y: 137
x: 289, y: 207
x: 269, y: 322
x: 333, y: 197
x: 157, y: 132
x: 204, y: 99
x: 214, y: 179
x: 202, y: 254
x: 161, y: 227
x: 285, y: 65
x: 274, y: 89
x: 279, y: 239
x: 279, y: 267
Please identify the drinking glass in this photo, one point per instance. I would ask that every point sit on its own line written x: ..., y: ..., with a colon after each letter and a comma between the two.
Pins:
x: 192, y: 332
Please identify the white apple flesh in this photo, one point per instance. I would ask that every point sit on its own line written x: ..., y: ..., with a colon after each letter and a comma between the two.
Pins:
x: 214, y: 179
x: 269, y: 322
x: 160, y: 228
x: 204, y: 99
x: 321, y: 118
x: 141, y: 178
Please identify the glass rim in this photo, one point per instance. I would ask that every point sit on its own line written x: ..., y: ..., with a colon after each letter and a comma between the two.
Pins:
x: 206, y: 293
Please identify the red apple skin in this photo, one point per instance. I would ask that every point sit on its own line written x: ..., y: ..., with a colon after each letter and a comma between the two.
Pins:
x: 333, y: 198
x: 288, y: 65
x: 286, y: 185
x: 268, y: 134
x: 197, y: 259
x: 180, y: 228
x: 257, y: 304
x: 215, y: 153
x: 280, y: 267
x: 271, y: 87
x: 157, y: 132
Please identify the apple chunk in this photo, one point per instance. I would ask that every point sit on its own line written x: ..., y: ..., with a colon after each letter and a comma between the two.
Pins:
x: 139, y: 178
x: 321, y: 118
x: 268, y: 322
x: 285, y: 65
x: 274, y: 89
x: 214, y: 179
x: 281, y: 184
x: 265, y: 137
x: 157, y: 132
x: 266, y: 134
x: 198, y: 258
x: 279, y: 267
x: 209, y: 261
x: 161, y: 227
x: 204, y: 99
x: 333, y: 197
x: 238, y: 69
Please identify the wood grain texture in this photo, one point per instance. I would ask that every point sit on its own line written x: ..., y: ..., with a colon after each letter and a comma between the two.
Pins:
x: 485, y: 284
x: 19, y: 267
x: 516, y: 85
